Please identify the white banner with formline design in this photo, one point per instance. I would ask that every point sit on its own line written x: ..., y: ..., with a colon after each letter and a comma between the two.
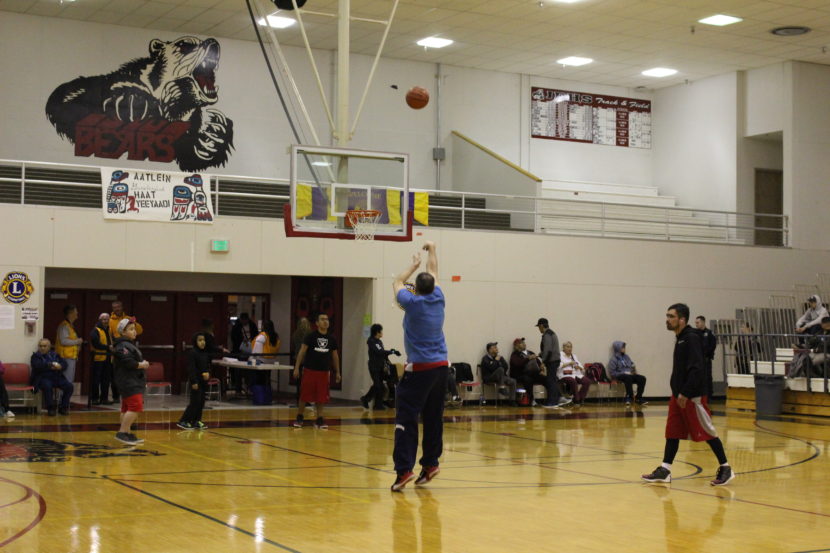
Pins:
x: 136, y: 195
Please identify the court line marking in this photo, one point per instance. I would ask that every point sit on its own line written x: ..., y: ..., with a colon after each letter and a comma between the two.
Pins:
x: 237, y: 465
x: 259, y: 539
x: 40, y: 514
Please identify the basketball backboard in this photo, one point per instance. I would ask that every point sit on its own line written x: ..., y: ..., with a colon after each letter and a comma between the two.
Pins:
x: 327, y: 182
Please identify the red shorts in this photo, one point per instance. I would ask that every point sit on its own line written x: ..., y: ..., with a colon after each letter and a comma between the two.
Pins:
x: 692, y: 423
x: 315, y: 386
x: 133, y: 403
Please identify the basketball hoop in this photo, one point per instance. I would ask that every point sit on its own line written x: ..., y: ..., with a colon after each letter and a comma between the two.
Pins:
x: 364, y: 222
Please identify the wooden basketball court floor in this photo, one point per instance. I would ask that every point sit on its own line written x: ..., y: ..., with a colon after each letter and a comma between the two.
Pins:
x: 511, y: 480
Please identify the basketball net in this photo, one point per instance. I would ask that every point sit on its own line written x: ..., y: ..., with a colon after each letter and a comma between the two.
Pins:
x: 364, y: 222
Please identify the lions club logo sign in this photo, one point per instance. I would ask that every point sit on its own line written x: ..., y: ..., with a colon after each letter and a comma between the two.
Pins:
x: 17, y: 288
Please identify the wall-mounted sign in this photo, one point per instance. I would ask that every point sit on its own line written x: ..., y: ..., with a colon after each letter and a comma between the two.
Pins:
x: 155, y: 196
x: 590, y: 118
x: 220, y: 246
x: 17, y: 288
x: 30, y: 314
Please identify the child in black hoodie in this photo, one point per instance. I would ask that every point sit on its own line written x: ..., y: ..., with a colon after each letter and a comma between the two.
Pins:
x: 198, y: 373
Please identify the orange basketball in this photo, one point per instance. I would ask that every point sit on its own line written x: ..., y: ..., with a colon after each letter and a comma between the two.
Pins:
x: 417, y: 97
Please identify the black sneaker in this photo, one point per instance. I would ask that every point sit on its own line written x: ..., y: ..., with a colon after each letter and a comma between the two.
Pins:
x: 724, y: 476
x: 199, y: 425
x: 321, y: 424
x: 298, y: 423
x: 640, y: 401
x: 125, y: 438
x: 402, y: 480
x: 427, y: 474
x: 660, y: 474
x: 135, y: 438
x: 364, y: 401
x: 52, y: 412
x: 184, y: 425
x: 63, y: 410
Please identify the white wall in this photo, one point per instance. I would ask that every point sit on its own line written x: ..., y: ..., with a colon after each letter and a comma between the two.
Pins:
x: 609, y: 289
x: 806, y: 159
x: 695, y: 142
x: 764, y: 96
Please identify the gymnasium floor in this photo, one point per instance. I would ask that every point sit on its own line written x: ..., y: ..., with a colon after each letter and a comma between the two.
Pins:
x: 512, y: 480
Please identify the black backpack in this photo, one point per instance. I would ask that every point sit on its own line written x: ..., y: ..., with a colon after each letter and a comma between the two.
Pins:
x: 463, y: 372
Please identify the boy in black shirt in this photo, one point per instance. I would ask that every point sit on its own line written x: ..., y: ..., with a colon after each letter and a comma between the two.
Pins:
x: 317, y: 356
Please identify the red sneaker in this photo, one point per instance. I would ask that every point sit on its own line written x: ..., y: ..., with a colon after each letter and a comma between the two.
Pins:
x: 402, y: 480
x: 426, y: 476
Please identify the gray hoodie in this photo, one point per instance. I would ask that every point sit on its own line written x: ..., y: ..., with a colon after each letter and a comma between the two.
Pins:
x: 812, y: 317
x: 620, y: 363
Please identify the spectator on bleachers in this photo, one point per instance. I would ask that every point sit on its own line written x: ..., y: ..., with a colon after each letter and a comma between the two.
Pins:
x: 494, y: 370
x: 526, y: 368
x: 810, y: 321
x: 710, y: 343
x: 571, y: 373
x: 623, y: 369
x: 820, y: 345
x: 47, y: 374
x: 5, y: 411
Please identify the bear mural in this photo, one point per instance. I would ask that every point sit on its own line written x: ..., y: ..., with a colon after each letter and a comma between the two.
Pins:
x: 153, y: 108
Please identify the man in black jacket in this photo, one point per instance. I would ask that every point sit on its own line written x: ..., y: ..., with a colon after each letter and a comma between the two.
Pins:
x: 549, y: 348
x: 378, y: 361
x: 494, y: 370
x: 689, y: 416
x: 709, y: 342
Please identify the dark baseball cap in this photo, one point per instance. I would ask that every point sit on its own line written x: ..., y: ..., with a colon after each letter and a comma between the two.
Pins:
x: 813, y: 298
x: 491, y: 344
x: 542, y: 321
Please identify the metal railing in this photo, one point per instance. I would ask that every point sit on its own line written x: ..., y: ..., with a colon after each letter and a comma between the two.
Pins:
x: 74, y: 185
x: 804, y: 357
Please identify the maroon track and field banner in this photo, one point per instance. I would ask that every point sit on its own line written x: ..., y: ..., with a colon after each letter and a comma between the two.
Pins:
x: 590, y: 118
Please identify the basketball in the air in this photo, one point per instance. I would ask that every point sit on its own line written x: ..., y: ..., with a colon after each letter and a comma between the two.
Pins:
x: 417, y: 97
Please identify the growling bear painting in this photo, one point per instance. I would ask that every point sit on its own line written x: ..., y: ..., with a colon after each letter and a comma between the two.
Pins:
x: 153, y: 108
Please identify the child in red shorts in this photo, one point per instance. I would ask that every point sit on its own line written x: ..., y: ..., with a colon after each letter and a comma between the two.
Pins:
x: 318, y: 355
x: 129, y: 366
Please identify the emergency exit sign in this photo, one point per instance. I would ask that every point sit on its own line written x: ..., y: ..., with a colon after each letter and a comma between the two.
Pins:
x: 220, y: 246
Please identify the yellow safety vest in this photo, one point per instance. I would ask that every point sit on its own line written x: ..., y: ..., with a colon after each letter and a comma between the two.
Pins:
x: 100, y: 354
x: 114, y: 320
x: 66, y: 352
x: 267, y: 348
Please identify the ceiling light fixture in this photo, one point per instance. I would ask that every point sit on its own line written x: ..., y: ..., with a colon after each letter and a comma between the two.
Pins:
x: 791, y: 30
x: 434, y: 42
x: 659, y: 72
x: 720, y: 20
x: 574, y: 61
x: 276, y: 21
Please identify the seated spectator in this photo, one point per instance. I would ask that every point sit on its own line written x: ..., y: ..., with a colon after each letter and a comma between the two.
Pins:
x: 494, y: 371
x: 622, y: 369
x: 571, y: 373
x: 47, y: 373
x: 526, y: 368
x: 747, y: 348
x: 810, y: 321
x: 820, y: 345
x: 4, y: 396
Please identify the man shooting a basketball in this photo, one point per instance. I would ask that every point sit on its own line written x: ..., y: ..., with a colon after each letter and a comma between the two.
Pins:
x: 421, y: 390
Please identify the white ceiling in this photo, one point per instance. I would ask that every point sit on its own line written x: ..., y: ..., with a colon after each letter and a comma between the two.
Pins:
x: 624, y: 37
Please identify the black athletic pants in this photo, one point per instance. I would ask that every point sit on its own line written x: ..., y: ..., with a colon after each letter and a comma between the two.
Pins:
x: 419, y: 394
x: 193, y: 413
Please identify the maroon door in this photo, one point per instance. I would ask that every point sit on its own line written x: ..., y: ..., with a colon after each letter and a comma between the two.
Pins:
x: 313, y: 295
x: 192, y: 309
x: 156, y: 312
